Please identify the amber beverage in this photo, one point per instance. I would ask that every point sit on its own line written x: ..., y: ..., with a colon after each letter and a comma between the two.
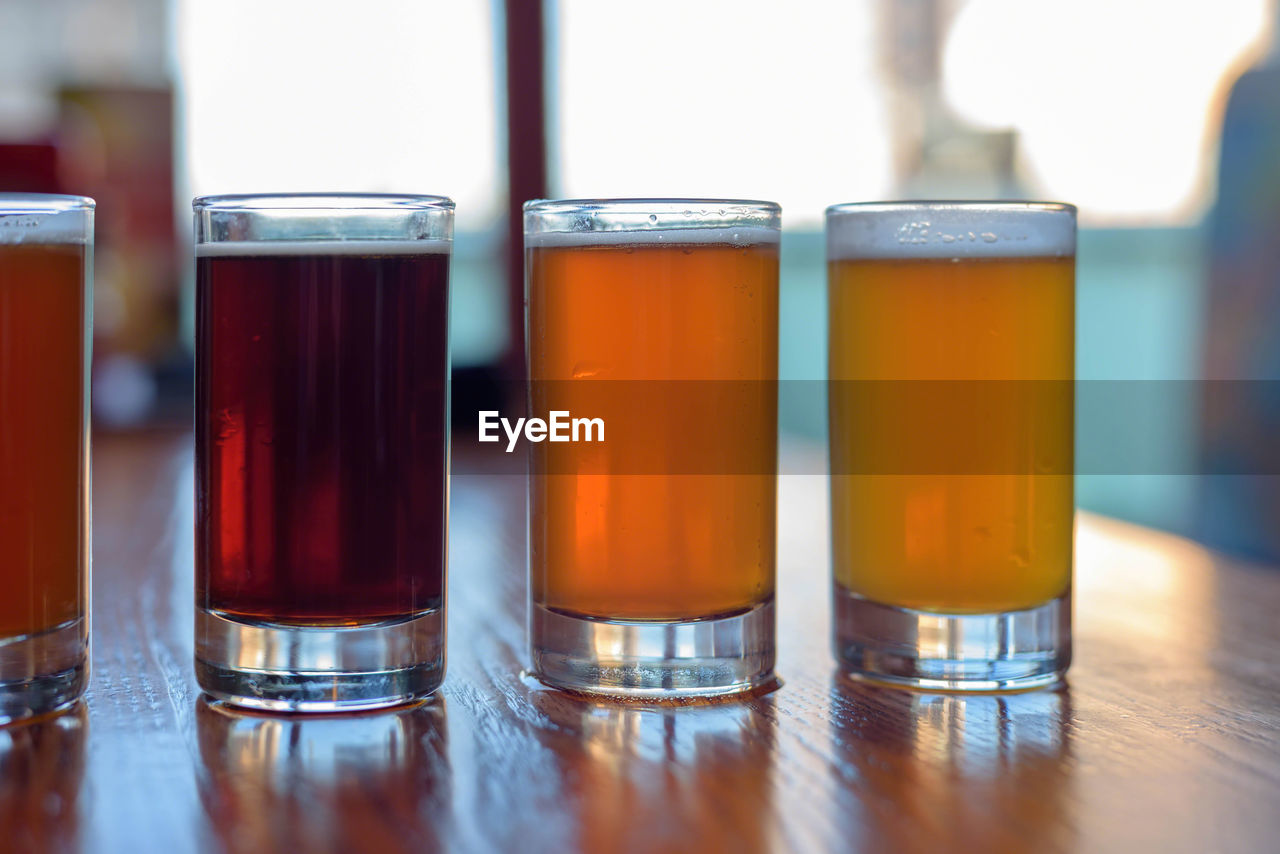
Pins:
x: 641, y: 546
x: 951, y: 360
x: 45, y: 247
x: 668, y: 331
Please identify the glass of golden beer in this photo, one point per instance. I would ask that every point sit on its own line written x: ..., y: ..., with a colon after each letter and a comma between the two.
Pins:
x: 46, y: 264
x: 652, y: 545
x: 951, y: 404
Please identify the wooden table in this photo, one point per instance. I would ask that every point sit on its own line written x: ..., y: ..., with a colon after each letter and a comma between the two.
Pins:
x: 1167, y: 738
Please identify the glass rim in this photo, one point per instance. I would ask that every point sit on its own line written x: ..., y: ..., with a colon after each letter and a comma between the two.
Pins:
x: 642, y: 205
x: 43, y: 203
x: 950, y: 229
x: 959, y: 205
x: 321, y: 202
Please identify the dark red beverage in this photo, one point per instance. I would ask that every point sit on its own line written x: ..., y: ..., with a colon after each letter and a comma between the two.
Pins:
x: 321, y: 430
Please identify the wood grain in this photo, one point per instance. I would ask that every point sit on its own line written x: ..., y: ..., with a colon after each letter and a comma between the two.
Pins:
x: 1167, y: 736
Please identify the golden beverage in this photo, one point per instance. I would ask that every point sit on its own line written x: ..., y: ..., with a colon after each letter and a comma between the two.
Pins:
x: 967, y: 340
x: 674, y: 343
x: 43, y: 489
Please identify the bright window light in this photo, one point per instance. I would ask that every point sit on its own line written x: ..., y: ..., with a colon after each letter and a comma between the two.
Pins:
x: 741, y: 99
x: 1116, y: 104
x: 376, y: 96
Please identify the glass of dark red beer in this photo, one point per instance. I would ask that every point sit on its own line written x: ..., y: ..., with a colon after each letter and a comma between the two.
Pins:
x: 322, y: 431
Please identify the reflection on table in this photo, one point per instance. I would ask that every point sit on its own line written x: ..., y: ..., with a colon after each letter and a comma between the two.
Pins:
x: 992, y: 772
x: 377, y: 781
x: 676, y: 777
x: 41, y: 770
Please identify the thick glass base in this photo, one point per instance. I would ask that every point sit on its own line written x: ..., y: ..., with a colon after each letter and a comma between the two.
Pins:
x: 1008, y: 651
x: 654, y: 660
x: 288, y: 668
x: 43, y: 673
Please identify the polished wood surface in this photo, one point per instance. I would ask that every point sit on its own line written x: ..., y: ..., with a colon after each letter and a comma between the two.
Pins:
x: 1166, y: 738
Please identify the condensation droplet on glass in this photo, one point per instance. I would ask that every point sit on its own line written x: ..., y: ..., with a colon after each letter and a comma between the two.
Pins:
x: 989, y: 237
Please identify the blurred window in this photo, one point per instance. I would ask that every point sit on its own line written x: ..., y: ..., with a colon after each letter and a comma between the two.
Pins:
x: 720, y: 98
x: 382, y: 96
x: 1116, y: 105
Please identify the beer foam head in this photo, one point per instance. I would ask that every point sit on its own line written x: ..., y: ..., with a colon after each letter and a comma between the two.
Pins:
x: 253, y: 248
x: 650, y: 222
x: 41, y: 218
x: 907, y: 230
x: 742, y: 236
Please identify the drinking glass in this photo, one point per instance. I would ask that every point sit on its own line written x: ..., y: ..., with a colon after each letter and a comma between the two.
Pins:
x: 652, y: 552
x: 46, y: 304
x: 322, y: 430
x: 951, y: 368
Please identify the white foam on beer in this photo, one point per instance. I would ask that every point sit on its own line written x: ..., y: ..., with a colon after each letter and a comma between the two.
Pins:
x: 749, y: 235
x: 883, y: 232
x: 44, y: 222
x: 72, y: 235
x: 260, y: 248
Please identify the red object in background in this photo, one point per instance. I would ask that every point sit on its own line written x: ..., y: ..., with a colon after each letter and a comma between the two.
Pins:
x: 116, y: 145
x: 29, y: 168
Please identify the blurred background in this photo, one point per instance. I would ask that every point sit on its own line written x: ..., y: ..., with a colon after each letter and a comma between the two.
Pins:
x: 1160, y: 120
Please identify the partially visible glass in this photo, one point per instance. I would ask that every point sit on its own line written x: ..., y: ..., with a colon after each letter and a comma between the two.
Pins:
x: 322, y: 431
x: 46, y: 301
x: 652, y: 559
x: 951, y: 400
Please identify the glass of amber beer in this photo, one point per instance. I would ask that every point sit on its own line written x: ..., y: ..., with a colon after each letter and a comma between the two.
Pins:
x: 951, y: 368
x: 322, y: 413
x: 652, y: 552
x: 46, y: 299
